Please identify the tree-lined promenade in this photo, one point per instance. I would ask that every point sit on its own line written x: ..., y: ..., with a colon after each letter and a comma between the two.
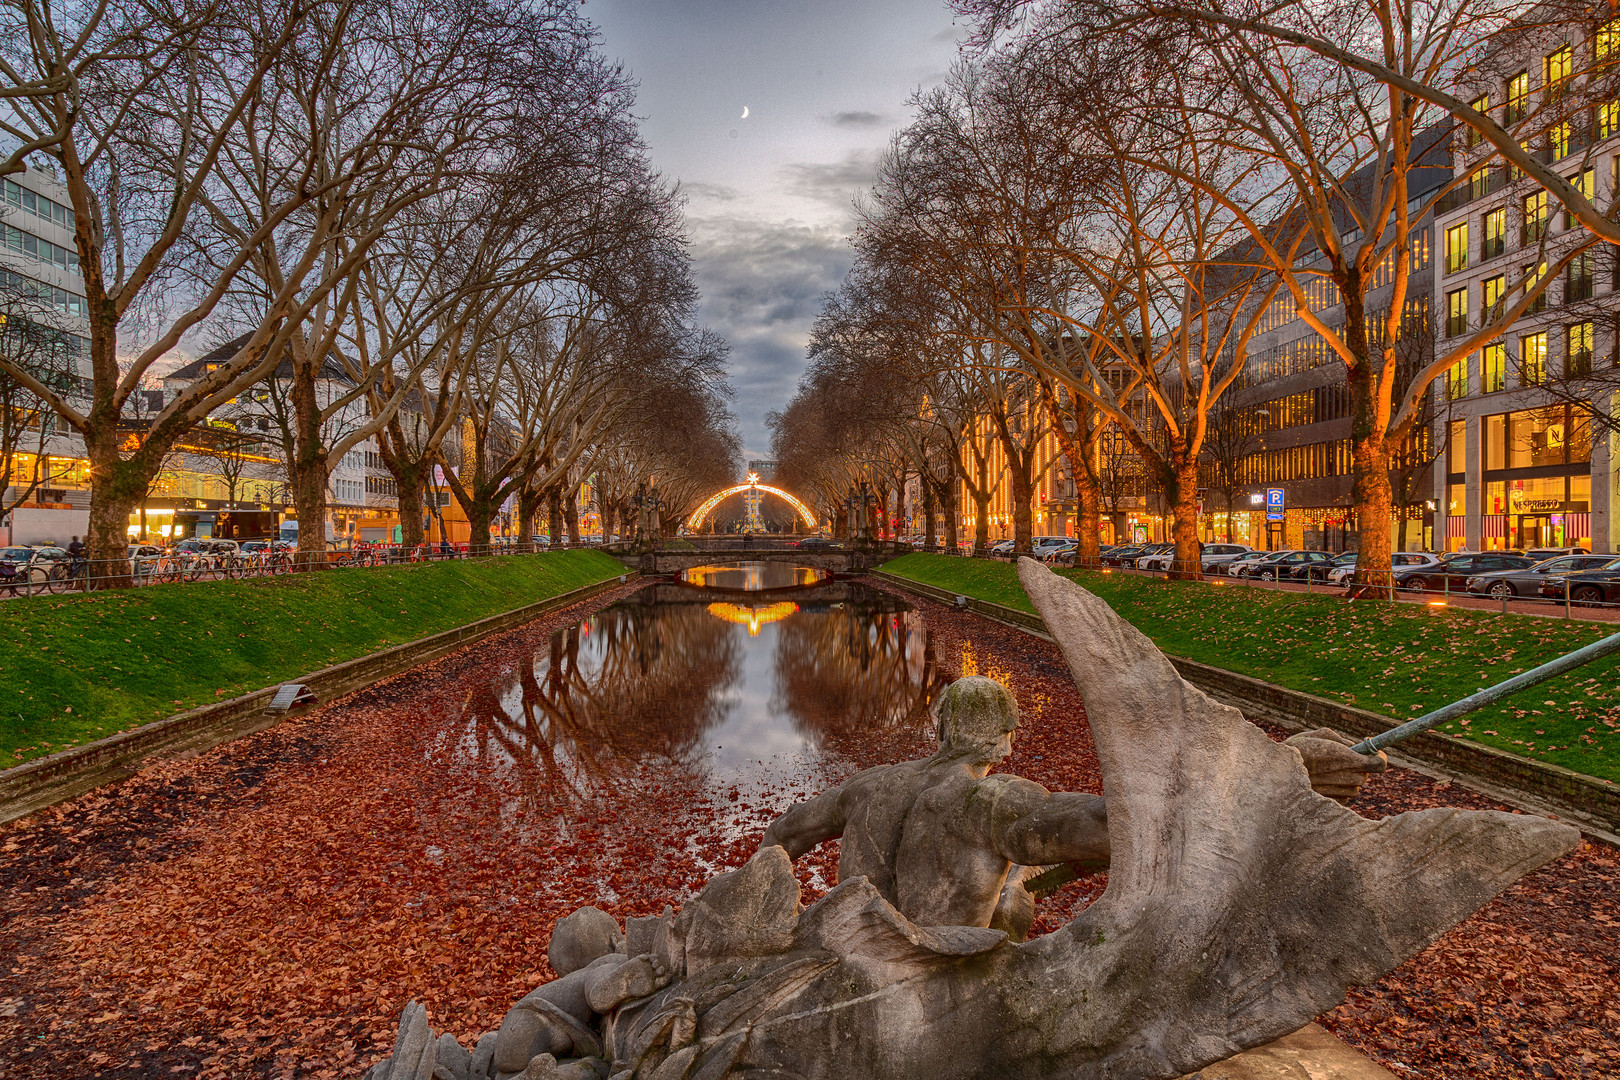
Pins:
x: 447, y: 212
x: 1083, y: 231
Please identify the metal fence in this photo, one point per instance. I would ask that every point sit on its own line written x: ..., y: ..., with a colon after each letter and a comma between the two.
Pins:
x: 1585, y: 600
x: 42, y: 575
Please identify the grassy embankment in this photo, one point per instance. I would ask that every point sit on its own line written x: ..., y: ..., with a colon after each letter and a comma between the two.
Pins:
x: 1401, y: 660
x: 75, y: 668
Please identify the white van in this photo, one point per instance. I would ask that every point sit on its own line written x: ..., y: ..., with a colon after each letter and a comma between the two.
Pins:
x: 289, y: 532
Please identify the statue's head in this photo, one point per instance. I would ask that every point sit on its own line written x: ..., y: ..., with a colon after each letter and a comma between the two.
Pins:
x: 976, y: 719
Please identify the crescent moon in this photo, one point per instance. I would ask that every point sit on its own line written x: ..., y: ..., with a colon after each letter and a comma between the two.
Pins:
x: 745, y: 112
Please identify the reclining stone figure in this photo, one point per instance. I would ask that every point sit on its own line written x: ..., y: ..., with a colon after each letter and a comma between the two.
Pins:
x: 948, y: 844
x: 1240, y: 904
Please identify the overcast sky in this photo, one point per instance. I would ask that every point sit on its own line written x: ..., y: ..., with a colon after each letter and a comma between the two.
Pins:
x: 824, y: 82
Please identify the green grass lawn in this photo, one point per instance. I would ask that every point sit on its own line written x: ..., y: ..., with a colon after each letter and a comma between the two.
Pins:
x: 1401, y: 660
x: 75, y: 668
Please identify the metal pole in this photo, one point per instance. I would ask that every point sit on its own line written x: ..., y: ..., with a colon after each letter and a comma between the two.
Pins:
x: 1473, y: 702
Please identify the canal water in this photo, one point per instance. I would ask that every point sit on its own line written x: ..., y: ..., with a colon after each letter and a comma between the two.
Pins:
x: 734, y: 679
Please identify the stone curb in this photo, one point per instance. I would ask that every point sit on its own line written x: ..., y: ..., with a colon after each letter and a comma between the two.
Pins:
x: 1585, y: 801
x: 28, y: 788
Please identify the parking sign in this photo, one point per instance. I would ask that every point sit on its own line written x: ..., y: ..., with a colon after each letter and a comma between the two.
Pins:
x: 1274, y: 504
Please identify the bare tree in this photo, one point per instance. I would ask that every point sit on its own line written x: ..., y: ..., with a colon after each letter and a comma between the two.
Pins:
x: 30, y: 337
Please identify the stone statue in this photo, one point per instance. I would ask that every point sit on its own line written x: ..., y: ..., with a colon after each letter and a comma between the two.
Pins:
x: 1240, y: 904
x: 949, y: 845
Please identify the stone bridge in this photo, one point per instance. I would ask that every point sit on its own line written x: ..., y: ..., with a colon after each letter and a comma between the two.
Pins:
x: 835, y: 561
x: 822, y: 595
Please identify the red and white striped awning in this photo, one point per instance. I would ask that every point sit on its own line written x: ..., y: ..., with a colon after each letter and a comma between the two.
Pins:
x: 1577, y: 527
x: 1493, y: 525
x: 1456, y: 527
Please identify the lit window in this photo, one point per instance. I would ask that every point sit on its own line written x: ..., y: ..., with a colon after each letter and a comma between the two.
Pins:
x: 1457, y: 247
x: 1532, y: 278
x: 1457, y: 380
x: 1586, y: 184
x: 1578, y: 341
x: 1518, y: 93
x: 1457, y: 312
x: 1556, y: 69
x: 1535, y: 218
x: 1481, y: 105
x: 1532, y: 359
x: 1494, y: 241
x: 1493, y: 294
x: 1606, y: 41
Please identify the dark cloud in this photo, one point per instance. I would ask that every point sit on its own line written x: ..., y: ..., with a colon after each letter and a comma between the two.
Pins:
x: 834, y: 184
x: 855, y: 119
x: 762, y: 284
x: 712, y: 192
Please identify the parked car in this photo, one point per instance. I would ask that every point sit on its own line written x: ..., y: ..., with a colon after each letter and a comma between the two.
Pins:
x: 1553, y: 553
x: 1243, y: 564
x: 1600, y: 586
x: 818, y: 543
x: 1001, y: 547
x: 1147, y: 555
x: 1055, y: 555
x: 1042, y: 544
x: 1300, y: 566
x: 1345, y: 565
x: 1452, y: 574
x: 1506, y: 584
x: 1217, y: 555
x: 1123, y: 556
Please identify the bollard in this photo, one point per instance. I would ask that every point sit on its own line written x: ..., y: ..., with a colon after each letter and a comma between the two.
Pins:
x: 1566, y: 598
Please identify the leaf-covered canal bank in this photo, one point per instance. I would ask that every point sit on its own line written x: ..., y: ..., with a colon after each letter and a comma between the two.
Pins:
x: 1401, y: 660
x: 79, y: 667
x: 266, y: 909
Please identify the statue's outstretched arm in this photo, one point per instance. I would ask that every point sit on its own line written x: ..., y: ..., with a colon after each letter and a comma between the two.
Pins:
x: 807, y: 824
x: 1061, y: 827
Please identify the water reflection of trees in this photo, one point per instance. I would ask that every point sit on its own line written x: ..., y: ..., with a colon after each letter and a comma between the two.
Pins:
x: 632, y: 685
x: 853, y: 670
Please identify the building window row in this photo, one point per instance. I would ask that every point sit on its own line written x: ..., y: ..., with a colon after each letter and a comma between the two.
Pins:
x: 382, y: 485
x: 1530, y: 364
x: 60, y: 299
x: 26, y: 243
x: 38, y: 205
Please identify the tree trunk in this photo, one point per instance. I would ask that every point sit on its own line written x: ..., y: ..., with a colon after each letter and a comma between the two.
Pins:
x: 412, y: 508
x: 528, y: 508
x: 840, y: 523
x: 308, y: 484
x: 554, y: 515
x: 571, y: 513
x: 1023, y: 499
x: 1186, y: 564
x: 308, y: 471
x: 479, y: 514
x: 116, y: 487
x: 1088, y: 521
x: 946, y: 493
x: 981, y: 523
x: 929, y: 539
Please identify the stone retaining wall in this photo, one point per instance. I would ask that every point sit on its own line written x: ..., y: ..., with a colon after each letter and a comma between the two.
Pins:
x: 30, y: 787
x: 1586, y: 801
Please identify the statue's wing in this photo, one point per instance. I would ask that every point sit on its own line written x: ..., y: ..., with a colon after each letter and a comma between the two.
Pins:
x: 1240, y: 904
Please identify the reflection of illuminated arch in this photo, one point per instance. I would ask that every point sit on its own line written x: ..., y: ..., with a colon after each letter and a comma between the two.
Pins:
x: 695, y: 522
x: 753, y: 617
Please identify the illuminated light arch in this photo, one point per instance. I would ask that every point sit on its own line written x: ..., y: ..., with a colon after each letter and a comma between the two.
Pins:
x: 695, y: 522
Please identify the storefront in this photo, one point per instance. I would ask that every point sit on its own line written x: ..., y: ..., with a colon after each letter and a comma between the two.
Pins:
x: 1536, y: 487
